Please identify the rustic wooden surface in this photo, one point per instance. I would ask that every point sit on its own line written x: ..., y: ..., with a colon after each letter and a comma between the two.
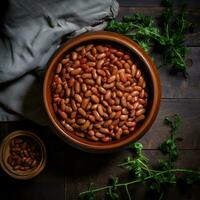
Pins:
x: 69, y: 171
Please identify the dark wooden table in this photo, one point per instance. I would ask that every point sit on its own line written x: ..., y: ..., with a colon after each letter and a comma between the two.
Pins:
x: 69, y: 171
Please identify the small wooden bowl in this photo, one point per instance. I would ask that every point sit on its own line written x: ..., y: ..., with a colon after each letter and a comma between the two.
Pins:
x: 150, y: 73
x: 5, y: 152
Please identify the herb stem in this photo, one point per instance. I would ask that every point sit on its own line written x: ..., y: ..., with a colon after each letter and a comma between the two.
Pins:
x: 127, y: 192
x: 140, y: 180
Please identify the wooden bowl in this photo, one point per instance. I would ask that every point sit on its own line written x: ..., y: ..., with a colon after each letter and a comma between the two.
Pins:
x: 5, y: 152
x: 147, y: 67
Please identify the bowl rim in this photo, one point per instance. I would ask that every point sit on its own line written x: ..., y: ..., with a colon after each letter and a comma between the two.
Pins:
x: 26, y: 174
x: 130, y: 44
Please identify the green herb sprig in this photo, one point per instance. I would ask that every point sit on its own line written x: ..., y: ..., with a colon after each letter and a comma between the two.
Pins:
x: 141, y: 171
x: 168, y: 37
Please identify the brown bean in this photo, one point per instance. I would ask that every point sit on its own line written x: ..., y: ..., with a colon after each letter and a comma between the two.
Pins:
x: 74, y: 55
x: 100, y: 48
x: 137, y: 88
x: 129, y: 106
x: 107, y: 123
x: 91, y: 118
x: 85, y: 125
x: 58, y: 89
x: 101, y: 55
x: 97, y: 116
x: 123, y: 77
x: 89, y: 82
x: 131, y: 124
x: 95, y: 91
x: 123, y: 101
x: 91, y: 132
x: 73, y: 114
x: 100, y: 110
x: 102, y: 90
x: 73, y: 105
x: 82, y: 112
x: 119, y: 53
x: 88, y: 93
x: 120, y: 86
x: 78, y: 98
x: 104, y: 130
x: 124, y: 117
x: 91, y: 64
x: 133, y: 70
x: 64, y: 61
x: 108, y: 94
x: 84, y: 87
x: 76, y: 71
x: 98, y: 80
x: 86, y: 75
x: 116, y: 108
x: 93, y: 138
x: 62, y: 114
x: 117, y: 115
x: 62, y: 104
x: 138, y: 74
x: 68, y: 109
x: 101, y: 72
x: 80, y: 134
x: 81, y: 121
x: 111, y: 102
x: 99, y: 135
x: 142, y: 93
x: 140, y: 112
x: 100, y: 63
x: 94, y: 74
x: 94, y: 106
x: 95, y: 98
x: 106, y: 139
x: 135, y: 105
x: 111, y: 79
x: 135, y: 93
x: 90, y: 56
x: 58, y: 68
x: 109, y: 85
x: 109, y: 110
x: 118, y: 134
x: 142, y: 101
x: 139, y: 118
x: 119, y: 64
x: 68, y: 127
x: 127, y: 66
x: 70, y: 121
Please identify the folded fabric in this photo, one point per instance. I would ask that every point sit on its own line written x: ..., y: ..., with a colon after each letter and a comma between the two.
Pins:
x: 33, y: 31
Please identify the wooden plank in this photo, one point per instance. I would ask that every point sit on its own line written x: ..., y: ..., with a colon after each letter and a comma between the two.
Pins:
x: 189, y: 110
x: 176, y: 86
x: 98, y: 169
x: 192, y: 39
x: 150, y: 3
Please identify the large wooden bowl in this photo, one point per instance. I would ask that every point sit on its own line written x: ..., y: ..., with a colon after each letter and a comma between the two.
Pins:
x: 148, y: 68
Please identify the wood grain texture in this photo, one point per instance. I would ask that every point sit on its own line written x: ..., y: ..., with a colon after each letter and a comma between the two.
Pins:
x: 176, y: 86
x: 189, y: 110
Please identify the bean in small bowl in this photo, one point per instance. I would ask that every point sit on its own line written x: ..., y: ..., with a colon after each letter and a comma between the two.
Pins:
x: 23, y: 155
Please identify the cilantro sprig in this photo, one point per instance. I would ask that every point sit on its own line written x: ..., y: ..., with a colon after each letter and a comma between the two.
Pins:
x: 168, y: 37
x: 142, y: 172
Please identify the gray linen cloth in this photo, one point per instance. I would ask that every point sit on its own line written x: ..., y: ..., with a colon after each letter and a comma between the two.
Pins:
x: 33, y: 30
